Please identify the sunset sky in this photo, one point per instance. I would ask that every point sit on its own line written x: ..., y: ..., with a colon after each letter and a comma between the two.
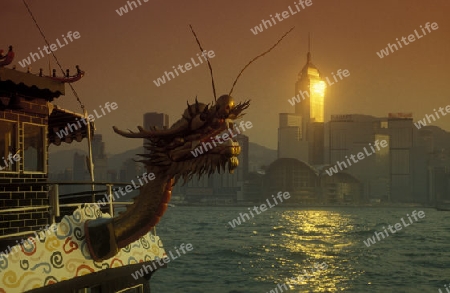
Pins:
x: 122, y: 55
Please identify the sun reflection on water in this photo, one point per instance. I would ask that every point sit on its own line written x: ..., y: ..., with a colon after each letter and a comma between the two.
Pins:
x: 315, y: 237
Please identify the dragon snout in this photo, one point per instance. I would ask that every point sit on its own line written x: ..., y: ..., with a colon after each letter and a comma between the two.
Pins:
x: 233, y: 162
x: 231, y: 148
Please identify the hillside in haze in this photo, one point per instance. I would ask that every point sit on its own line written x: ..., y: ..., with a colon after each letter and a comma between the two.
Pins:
x: 259, y: 155
x: 59, y: 161
x: 441, y: 137
x: 62, y: 160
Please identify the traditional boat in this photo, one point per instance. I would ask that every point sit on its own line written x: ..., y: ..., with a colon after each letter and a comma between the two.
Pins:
x: 43, y: 245
x: 67, y: 78
x: 81, y: 247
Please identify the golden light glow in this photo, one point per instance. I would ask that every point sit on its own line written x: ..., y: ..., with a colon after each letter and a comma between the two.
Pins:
x: 318, y: 236
x: 313, y: 72
x: 317, y: 88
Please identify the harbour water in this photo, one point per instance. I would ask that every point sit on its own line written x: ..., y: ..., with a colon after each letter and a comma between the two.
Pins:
x: 280, y: 243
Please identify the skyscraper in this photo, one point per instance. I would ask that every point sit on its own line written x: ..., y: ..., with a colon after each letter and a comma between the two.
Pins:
x: 159, y: 120
x: 99, y: 158
x: 301, y: 134
x: 311, y: 88
x: 388, y: 174
x: 290, y: 144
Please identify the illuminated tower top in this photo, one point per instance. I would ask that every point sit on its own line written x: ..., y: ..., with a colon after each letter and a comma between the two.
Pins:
x: 311, y: 89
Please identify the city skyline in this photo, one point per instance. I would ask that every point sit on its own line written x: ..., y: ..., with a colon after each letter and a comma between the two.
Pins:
x: 121, y: 59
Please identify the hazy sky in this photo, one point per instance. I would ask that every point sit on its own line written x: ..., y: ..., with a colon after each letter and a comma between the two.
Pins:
x: 122, y: 55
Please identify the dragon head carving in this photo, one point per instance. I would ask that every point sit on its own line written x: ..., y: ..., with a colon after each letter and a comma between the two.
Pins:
x: 174, y: 150
x: 190, y: 146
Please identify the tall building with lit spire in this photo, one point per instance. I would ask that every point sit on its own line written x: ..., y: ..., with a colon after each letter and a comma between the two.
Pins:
x: 301, y: 134
x: 311, y: 88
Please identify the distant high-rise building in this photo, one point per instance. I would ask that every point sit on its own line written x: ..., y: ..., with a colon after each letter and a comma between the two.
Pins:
x: 99, y: 158
x: 159, y: 120
x: 290, y: 143
x: 311, y: 89
x: 301, y: 134
x: 350, y: 135
x: 80, y: 171
x: 400, y: 130
x: 386, y: 174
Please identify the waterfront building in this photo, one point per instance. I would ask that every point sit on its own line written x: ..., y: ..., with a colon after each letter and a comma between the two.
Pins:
x: 297, y: 177
x: 386, y: 173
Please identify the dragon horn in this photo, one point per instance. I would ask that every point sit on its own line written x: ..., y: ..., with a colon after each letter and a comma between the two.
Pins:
x: 196, y: 105
x: 146, y: 133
